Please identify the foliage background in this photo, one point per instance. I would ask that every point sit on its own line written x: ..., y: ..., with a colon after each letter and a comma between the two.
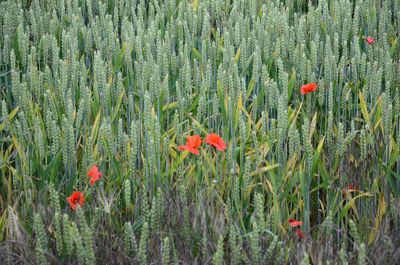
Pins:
x: 121, y: 83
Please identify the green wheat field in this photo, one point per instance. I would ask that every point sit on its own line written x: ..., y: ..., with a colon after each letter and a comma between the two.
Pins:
x: 200, y: 132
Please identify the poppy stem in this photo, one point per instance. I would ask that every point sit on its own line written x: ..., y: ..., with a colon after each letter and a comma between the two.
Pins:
x: 216, y: 167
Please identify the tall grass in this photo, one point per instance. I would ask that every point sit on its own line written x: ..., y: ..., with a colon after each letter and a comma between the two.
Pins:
x: 121, y: 83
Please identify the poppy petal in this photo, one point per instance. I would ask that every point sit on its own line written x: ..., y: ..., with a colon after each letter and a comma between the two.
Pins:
x: 94, y: 174
x: 299, y: 233
x: 75, y: 199
x: 193, y: 150
x: 190, y: 141
x: 216, y: 141
x: 308, y: 88
x: 93, y: 180
x: 295, y: 223
x: 188, y: 148
x: 221, y: 147
x: 182, y: 147
x: 194, y: 141
x: 370, y: 40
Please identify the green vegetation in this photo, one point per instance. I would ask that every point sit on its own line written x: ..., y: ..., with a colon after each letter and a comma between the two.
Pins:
x: 98, y: 99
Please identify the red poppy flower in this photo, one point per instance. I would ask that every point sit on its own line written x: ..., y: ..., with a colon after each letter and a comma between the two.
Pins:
x: 94, y: 174
x: 370, y: 40
x: 75, y: 199
x: 299, y: 233
x: 216, y: 141
x: 192, y: 144
x: 295, y: 223
x: 351, y: 188
x: 308, y: 88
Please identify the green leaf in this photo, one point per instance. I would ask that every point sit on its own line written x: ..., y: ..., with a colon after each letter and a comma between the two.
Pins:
x: 197, y: 54
x: 351, y: 204
x: 116, y: 109
x: 237, y: 56
x: 364, y: 109
x: 250, y: 88
x: 8, y: 118
x: 119, y: 60
x: 95, y: 127
x: 291, y: 85
x: 195, y: 5
x: 263, y: 169
x: 317, y: 154
x: 378, y: 219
